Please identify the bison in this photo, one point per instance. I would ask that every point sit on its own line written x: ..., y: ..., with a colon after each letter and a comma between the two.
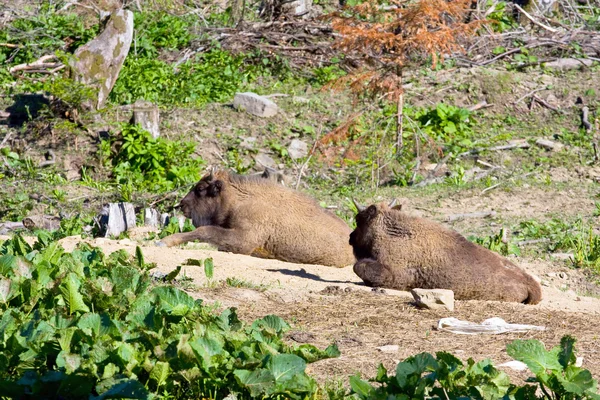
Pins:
x: 256, y: 215
x: 398, y: 251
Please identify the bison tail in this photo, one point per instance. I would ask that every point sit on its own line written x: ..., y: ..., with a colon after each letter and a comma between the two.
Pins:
x: 534, y: 291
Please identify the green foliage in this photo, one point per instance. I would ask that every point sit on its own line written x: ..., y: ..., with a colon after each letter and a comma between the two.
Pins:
x: 501, y: 19
x: 498, y: 244
x: 140, y: 162
x: 449, y: 125
x: 84, y: 325
x: 326, y: 74
x: 446, y: 377
x: 157, y: 30
x: 555, y: 370
x: 211, y: 77
x: 44, y: 33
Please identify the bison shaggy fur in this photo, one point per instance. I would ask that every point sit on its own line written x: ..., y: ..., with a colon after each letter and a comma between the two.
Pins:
x: 399, y: 251
x: 256, y: 215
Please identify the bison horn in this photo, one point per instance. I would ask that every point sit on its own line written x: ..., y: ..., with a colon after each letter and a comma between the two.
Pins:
x: 212, y: 172
x: 358, y: 206
x: 393, y: 203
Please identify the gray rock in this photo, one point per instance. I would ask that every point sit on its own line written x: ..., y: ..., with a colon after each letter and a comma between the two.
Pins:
x: 248, y: 143
x: 255, y: 104
x: 298, y: 7
x: 389, y: 348
x: 147, y: 115
x: 297, y: 149
x: 265, y: 161
x: 568, y: 63
x: 434, y: 299
x: 98, y: 62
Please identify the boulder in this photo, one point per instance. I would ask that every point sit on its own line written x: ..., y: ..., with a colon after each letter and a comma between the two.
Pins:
x: 568, y: 63
x: 297, y: 149
x: 98, y: 62
x: 434, y: 299
x: 255, y: 104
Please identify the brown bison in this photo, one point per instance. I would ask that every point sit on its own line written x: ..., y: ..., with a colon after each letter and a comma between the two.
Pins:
x: 399, y: 251
x: 256, y: 215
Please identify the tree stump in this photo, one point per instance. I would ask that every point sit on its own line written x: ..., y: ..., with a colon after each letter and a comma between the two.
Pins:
x: 147, y: 115
x: 117, y: 218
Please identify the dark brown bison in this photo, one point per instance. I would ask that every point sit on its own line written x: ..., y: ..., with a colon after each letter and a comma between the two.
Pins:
x: 399, y: 251
x: 258, y: 216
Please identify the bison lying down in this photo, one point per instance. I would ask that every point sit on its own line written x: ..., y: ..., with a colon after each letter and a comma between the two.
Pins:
x: 398, y: 251
x: 258, y: 216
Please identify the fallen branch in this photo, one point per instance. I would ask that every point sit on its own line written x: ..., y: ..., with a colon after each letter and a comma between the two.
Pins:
x: 10, y: 45
x: 529, y: 17
x: 480, y: 105
x: 532, y: 241
x: 520, y: 99
x: 487, y: 189
x: 517, y: 144
x: 478, y: 214
x: 38, y: 64
x: 6, y: 137
x: 546, y: 104
x: 50, y: 161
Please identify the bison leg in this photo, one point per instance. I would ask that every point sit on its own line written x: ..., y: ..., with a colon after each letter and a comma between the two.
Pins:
x: 231, y: 240
x: 375, y: 274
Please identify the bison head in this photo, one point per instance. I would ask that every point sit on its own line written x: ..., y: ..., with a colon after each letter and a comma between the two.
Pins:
x: 204, y: 203
x: 368, y: 223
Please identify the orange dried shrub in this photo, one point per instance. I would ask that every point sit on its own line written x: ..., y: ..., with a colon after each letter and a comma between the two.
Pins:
x: 387, y: 38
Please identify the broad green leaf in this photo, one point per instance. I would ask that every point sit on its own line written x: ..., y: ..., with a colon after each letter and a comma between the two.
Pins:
x: 285, y: 366
x: 97, y: 325
x: 170, y: 277
x: 576, y: 380
x: 76, y: 386
x: 139, y: 257
x: 403, y: 371
x: 311, y: 353
x: 173, y: 301
x: 70, y: 362
x: 65, y: 338
x: 567, y: 351
x: 360, y: 387
x: 8, y: 264
x: 110, y: 370
x: 257, y: 381
x: 160, y: 373
x: 208, y: 268
x: 206, y: 349
x: 70, y: 292
x: 272, y: 323
x: 123, y: 389
x: 534, y: 355
x: 6, y: 294
x: 124, y: 278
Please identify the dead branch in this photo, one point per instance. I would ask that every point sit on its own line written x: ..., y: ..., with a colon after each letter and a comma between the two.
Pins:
x: 529, y: 17
x: 305, y: 163
x: 39, y: 64
x: 517, y: 144
x: 546, y: 104
x: 487, y: 189
x: 520, y: 99
x: 6, y: 137
x: 10, y: 45
x: 477, y: 214
x: 480, y: 105
x: 50, y: 161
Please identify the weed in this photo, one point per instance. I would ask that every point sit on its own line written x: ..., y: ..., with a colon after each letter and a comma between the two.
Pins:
x: 241, y: 283
x: 498, y: 243
x: 140, y: 162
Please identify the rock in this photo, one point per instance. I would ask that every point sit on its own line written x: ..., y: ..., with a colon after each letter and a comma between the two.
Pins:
x: 568, y: 63
x: 255, y: 104
x: 299, y: 99
x: 248, y: 143
x: 98, y: 62
x: 434, y: 299
x: 297, y: 149
x: 389, y: 348
x: 549, y: 144
x: 297, y: 8
x: 265, y: 161
x: 147, y: 115
x: 45, y: 222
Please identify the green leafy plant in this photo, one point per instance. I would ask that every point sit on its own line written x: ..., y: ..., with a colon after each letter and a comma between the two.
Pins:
x: 140, y: 162
x: 498, y: 243
x: 449, y: 125
x: 446, y: 377
x: 84, y: 325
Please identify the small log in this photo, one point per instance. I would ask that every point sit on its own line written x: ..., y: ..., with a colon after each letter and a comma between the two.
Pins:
x: 478, y: 214
x: 117, y: 218
x: 584, y: 118
x: 7, y: 227
x: 147, y: 115
x: 549, y: 144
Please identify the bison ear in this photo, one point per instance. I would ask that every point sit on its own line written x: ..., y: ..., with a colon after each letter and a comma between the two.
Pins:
x: 215, y: 188
x: 397, y: 207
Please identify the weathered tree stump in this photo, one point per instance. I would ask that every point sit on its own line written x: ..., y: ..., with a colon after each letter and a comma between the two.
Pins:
x: 151, y: 218
x: 117, y: 218
x: 147, y: 115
